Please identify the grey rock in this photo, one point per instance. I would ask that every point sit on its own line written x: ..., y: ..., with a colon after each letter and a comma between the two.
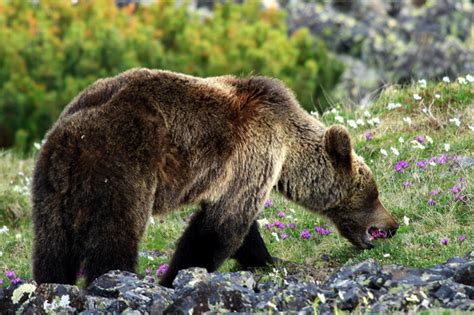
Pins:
x: 390, y: 41
x: 366, y: 287
x: 465, y: 274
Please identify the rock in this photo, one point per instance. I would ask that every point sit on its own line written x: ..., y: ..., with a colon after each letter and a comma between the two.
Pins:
x: 465, y: 274
x: 390, y: 41
x: 349, y: 299
x: 117, y: 291
x: 213, y: 297
x: 189, y: 277
x: 366, y: 287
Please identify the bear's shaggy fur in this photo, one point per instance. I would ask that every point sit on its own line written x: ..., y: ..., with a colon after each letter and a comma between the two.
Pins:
x: 147, y: 142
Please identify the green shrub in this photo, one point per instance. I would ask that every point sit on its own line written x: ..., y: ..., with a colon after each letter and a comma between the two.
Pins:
x: 49, y: 52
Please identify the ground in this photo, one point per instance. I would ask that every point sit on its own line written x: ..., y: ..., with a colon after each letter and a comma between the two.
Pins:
x: 416, y: 139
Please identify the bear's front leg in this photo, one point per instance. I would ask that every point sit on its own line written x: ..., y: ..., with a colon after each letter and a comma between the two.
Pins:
x: 211, y: 237
x: 253, y: 252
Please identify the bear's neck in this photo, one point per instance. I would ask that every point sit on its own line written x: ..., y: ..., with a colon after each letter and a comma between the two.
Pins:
x: 308, y: 176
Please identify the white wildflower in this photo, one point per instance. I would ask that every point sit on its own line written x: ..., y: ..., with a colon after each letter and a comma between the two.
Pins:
x: 386, y: 255
x: 384, y: 152
x: 64, y: 302
x: 391, y: 106
x: 417, y: 97
x: 37, y: 146
x: 422, y: 83
x: 334, y: 111
x: 470, y: 78
x: 150, y: 258
x: 321, y: 297
x: 447, y: 147
x: 429, y: 139
x: 406, y: 220
x: 401, y: 140
x: 417, y: 145
x: 27, y: 288
x: 462, y: 80
x: 424, y: 110
x: 446, y: 79
x: 437, y: 95
x: 367, y: 114
x: 407, y: 120
x: 49, y: 307
x: 455, y: 121
x: 395, y: 151
x: 339, y: 119
x: 376, y: 120
x: 291, y: 210
x: 151, y: 220
x: 360, y: 122
x: 18, y: 236
x: 3, y: 229
x: 352, y: 123
x: 315, y: 114
x: 263, y: 222
x: 471, y: 127
x: 432, y: 163
x: 275, y: 235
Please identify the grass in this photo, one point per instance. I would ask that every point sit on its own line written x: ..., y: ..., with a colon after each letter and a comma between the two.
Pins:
x: 416, y: 244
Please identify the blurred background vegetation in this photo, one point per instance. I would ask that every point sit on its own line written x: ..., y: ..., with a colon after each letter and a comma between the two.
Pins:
x: 330, y: 52
x: 53, y: 49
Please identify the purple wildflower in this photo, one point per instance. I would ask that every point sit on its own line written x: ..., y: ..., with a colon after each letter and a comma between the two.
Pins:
x: 268, y: 226
x: 421, y: 164
x: 407, y: 184
x: 16, y: 280
x: 281, y: 214
x: 431, y: 202
x: 377, y: 233
x: 284, y: 236
x: 321, y: 230
x: 279, y: 224
x: 369, y: 136
x: 161, y: 270
x: 461, y: 179
x: 444, y: 241
x: 443, y: 159
x: 460, y: 197
x: 10, y: 275
x: 401, y: 165
x: 456, y: 189
x: 1, y: 281
x: 292, y: 226
x: 461, y: 238
x: 435, y: 192
x: 305, y: 234
x: 148, y: 271
x: 268, y: 203
x: 421, y: 139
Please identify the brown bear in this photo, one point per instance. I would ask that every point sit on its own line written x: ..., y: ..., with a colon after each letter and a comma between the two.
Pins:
x: 147, y: 142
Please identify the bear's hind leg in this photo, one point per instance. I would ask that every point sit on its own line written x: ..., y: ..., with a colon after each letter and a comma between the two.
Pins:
x: 54, y: 257
x: 108, y: 249
x: 253, y: 252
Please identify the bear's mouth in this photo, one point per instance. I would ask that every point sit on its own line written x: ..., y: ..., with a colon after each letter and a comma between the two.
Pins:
x: 372, y: 233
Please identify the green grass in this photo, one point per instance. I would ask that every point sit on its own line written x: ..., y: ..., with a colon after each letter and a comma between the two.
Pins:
x: 416, y: 244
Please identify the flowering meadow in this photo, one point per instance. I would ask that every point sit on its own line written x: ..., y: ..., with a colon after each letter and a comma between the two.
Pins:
x: 418, y: 140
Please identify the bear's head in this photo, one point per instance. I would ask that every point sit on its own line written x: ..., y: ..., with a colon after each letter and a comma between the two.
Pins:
x: 360, y: 209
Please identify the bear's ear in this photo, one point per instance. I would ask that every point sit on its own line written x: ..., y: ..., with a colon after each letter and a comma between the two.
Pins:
x: 337, y: 142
